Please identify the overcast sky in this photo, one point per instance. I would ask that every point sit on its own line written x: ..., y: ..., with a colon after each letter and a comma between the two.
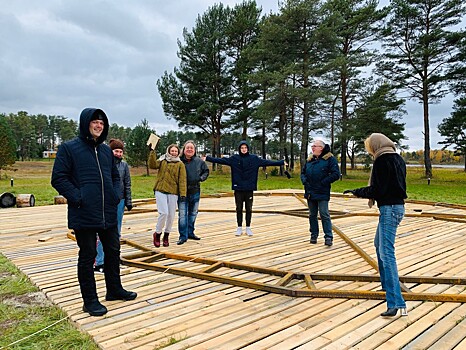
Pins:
x: 58, y: 57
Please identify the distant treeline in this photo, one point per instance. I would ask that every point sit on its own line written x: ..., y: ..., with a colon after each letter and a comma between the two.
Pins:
x: 31, y: 135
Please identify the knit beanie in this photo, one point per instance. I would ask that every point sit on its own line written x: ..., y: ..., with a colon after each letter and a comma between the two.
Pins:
x: 116, y: 144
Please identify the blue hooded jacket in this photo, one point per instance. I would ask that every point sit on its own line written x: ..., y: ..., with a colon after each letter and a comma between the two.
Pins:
x: 317, y: 175
x: 85, y: 174
x: 244, y: 168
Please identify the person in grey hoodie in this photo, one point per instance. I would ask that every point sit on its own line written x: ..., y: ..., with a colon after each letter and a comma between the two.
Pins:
x: 117, y: 148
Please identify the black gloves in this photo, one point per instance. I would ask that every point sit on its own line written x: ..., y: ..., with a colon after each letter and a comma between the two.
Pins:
x: 349, y: 191
x: 129, y: 207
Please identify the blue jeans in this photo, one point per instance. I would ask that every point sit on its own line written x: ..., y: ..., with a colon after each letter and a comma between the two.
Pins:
x: 389, y: 219
x: 99, y: 259
x: 322, y: 207
x: 187, y: 213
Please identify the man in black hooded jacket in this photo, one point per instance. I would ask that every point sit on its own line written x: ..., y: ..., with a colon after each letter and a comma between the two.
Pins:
x: 244, y: 174
x: 85, y: 173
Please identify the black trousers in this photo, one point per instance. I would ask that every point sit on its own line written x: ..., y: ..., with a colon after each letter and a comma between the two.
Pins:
x: 246, y: 198
x: 87, y: 239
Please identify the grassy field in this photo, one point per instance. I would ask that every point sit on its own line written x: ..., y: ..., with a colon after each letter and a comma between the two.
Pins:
x: 447, y: 185
x: 25, y: 311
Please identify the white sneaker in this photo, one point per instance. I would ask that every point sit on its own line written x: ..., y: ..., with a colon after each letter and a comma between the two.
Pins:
x: 248, y: 231
x: 239, y: 231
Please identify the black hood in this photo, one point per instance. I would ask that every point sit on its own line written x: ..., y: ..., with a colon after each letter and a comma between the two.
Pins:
x: 325, y: 150
x: 87, y: 115
x: 243, y: 142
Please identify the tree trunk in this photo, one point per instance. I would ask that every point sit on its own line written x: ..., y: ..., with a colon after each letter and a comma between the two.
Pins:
x: 292, y: 125
x: 344, y: 123
x: 59, y: 200
x: 245, y: 121
x: 427, y: 161
x: 263, y: 138
x: 25, y: 200
x: 282, y: 132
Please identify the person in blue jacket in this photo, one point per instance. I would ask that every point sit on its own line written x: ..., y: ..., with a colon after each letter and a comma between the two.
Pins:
x: 320, y: 170
x: 85, y: 174
x: 244, y: 173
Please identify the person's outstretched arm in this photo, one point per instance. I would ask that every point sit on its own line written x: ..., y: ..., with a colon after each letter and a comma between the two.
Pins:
x: 224, y: 161
x: 265, y: 162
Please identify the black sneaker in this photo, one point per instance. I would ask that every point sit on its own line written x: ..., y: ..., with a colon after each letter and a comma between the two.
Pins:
x: 99, y: 268
x: 313, y: 240
x: 328, y: 242
x: 94, y: 308
x: 121, y: 295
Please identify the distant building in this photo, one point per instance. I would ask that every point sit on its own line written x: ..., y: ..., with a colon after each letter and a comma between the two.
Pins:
x: 49, y: 154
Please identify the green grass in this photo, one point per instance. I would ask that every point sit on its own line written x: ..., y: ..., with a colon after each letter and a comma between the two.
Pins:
x: 447, y: 185
x: 22, y: 316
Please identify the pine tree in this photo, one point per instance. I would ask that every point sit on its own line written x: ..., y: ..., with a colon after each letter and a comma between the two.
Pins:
x: 421, y: 46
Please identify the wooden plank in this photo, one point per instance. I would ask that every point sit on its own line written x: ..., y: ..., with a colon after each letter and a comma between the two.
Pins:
x: 204, y: 314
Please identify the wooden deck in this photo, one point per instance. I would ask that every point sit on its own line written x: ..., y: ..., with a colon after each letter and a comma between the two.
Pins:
x: 180, y: 312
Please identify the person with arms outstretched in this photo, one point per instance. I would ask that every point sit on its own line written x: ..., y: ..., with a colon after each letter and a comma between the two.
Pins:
x: 244, y: 174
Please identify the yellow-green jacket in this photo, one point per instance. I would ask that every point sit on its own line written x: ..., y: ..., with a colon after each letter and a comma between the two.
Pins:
x: 171, y: 177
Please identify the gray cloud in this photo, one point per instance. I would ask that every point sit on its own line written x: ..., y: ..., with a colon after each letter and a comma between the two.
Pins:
x: 58, y: 57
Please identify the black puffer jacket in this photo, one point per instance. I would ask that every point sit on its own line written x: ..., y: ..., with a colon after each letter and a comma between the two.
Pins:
x: 86, y: 175
x: 244, y: 168
x: 388, y: 181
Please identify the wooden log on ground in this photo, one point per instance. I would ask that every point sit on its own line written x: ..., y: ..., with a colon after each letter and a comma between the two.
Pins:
x: 7, y: 200
x: 59, y: 200
x: 25, y: 200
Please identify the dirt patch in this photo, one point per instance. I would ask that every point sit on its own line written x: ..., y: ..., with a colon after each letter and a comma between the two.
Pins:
x: 7, y: 324
x: 26, y: 300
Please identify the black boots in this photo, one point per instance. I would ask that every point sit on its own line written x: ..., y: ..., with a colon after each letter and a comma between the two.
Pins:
x: 121, y: 295
x: 165, y: 239
x: 393, y: 311
x: 94, y: 308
